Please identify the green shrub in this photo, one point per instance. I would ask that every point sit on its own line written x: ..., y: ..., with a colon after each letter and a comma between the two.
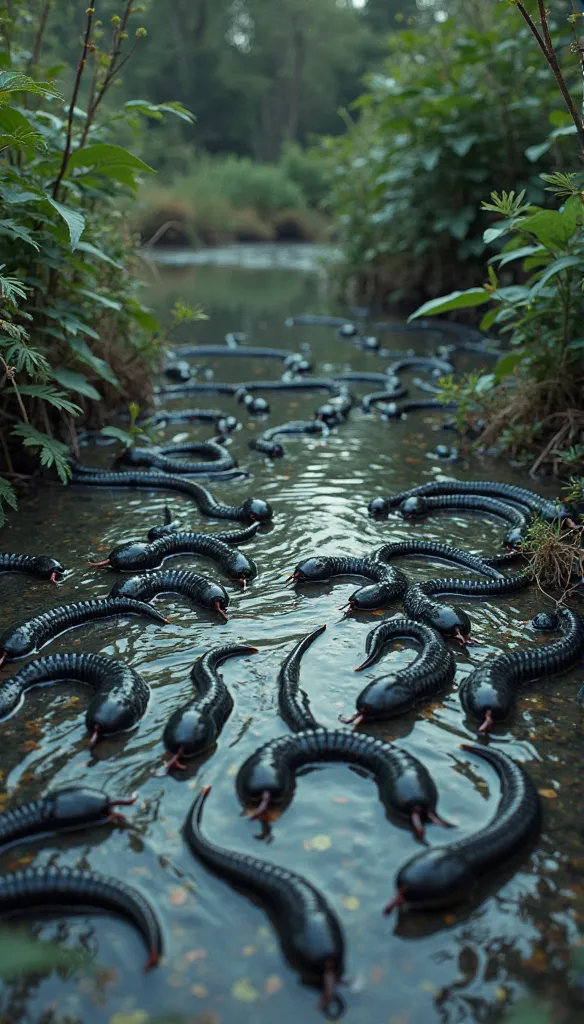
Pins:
x: 240, y: 182
x: 306, y: 170
x: 462, y: 108
x: 73, y: 332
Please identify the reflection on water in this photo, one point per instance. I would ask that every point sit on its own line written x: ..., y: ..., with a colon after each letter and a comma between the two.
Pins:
x: 223, y: 963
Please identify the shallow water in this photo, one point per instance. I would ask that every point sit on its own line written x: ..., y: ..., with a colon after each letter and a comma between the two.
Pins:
x: 223, y: 963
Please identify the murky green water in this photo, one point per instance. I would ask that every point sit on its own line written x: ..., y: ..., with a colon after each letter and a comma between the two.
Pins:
x: 223, y: 963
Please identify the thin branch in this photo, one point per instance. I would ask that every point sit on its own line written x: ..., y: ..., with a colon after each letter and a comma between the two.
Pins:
x: 38, y: 39
x: 80, y: 68
x: 113, y: 69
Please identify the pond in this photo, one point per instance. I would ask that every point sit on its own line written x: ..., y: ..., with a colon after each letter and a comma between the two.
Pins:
x: 223, y: 963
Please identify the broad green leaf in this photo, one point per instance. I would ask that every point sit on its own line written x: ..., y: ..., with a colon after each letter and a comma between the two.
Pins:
x: 507, y: 363
x: 21, y: 954
x: 85, y: 355
x: 577, y: 344
x: 456, y: 300
x: 533, y: 153
x: 555, y: 268
x: 550, y: 228
x: 102, y: 300
x: 463, y: 143
x: 99, y: 254
x: 12, y: 229
x: 560, y: 118
x: 143, y: 316
x: 102, y: 155
x: 120, y: 435
x: 76, y: 382
x: 74, y: 220
x: 488, y: 319
x: 16, y: 127
x: 12, y: 194
x: 502, y: 258
x: 431, y: 158
x: 503, y: 228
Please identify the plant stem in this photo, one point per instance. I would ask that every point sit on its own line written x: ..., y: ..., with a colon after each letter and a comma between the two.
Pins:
x: 112, y: 71
x: 74, y: 96
x: 38, y: 39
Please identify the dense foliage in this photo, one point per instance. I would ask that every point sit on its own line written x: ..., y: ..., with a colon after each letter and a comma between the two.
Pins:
x: 73, y: 331
x: 462, y: 108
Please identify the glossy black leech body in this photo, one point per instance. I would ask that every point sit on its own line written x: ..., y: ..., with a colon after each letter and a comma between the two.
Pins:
x: 398, y: 692
x: 488, y: 693
x: 548, y: 510
x: 65, y: 888
x: 43, y: 566
x: 141, y: 555
x: 167, y: 457
x: 273, y: 449
x: 60, y: 810
x: 195, y: 726
x: 445, y: 875
x: 309, y: 932
x: 389, y: 583
x: 293, y: 702
x: 450, y: 620
x: 419, y: 505
x: 28, y: 636
x: 250, y: 511
x: 199, y: 589
x: 121, y: 694
x: 267, y: 780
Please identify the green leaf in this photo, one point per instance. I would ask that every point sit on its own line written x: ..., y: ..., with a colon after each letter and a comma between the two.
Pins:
x: 76, y: 382
x: 99, y: 254
x: 456, y: 300
x: 554, y: 268
x: 12, y: 229
x: 101, y: 299
x: 488, y: 319
x: 17, y: 131
x: 120, y: 435
x: 74, y: 220
x: 550, y: 228
x: 52, y: 452
x: 12, y: 194
x: 99, y: 366
x: 533, y: 153
x: 28, y: 955
x: 502, y: 258
x: 463, y: 143
x: 50, y: 394
x: 103, y: 155
x: 15, y: 81
x: 7, y: 497
x: 143, y: 316
x: 506, y: 364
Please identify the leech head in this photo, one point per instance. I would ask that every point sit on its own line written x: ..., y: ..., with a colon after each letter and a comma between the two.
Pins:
x: 262, y: 806
x: 175, y: 762
x: 221, y: 611
x: 54, y: 577
x: 397, y: 901
x: 487, y: 724
x: 461, y: 637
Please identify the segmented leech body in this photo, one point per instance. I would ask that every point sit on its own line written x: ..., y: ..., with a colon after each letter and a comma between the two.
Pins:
x: 267, y: 446
x: 439, y: 367
x: 67, y: 887
x: 249, y: 351
x: 394, y: 411
x: 317, y: 320
x: 121, y: 695
x: 28, y: 636
x: 418, y: 506
x: 199, y: 589
x: 383, y: 396
x: 196, y: 726
x: 309, y: 932
x: 148, y: 555
x: 192, y: 387
x: 390, y: 583
x: 267, y: 780
x: 60, y: 810
x: 397, y: 692
x: 302, y: 384
x: 226, y: 536
x: 548, y: 510
x: 252, y: 509
x: 438, y: 550
x: 488, y: 693
x: 447, y: 874
x: 32, y: 565
x: 223, y: 421
x: 449, y: 619
x: 292, y: 701
x: 163, y: 457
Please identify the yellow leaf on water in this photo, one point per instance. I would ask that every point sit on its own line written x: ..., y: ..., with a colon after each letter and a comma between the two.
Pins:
x: 319, y: 842
x: 134, y: 1017
x: 449, y: 919
x: 249, y: 950
x: 340, y: 799
x: 427, y: 986
x: 550, y: 794
x: 351, y: 903
x: 272, y: 984
x: 233, y: 769
x: 244, y: 991
x: 501, y: 994
x: 194, y: 955
x: 178, y: 896
x: 199, y: 991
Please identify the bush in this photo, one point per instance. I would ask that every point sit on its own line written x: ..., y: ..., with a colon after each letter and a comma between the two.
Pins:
x: 73, y: 332
x: 461, y: 109
x: 306, y: 170
x: 242, y: 183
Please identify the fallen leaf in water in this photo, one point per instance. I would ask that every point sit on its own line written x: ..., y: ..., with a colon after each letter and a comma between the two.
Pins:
x: 272, y: 985
x: 199, y: 991
x: 3, y: 801
x: 449, y: 919
x: 411, y: 459
x: 175, y: 981
x: 376, y: 974
x: 249, y: 950
x: 404, y: 1017
x: 537, y: 962
x: 428, y: 986
x: 134, y: 1017
x: 550, y: 794
x: 233, y: 769
x: 244, y: 991
x: 194, y: 955
x: 351, y: 903
x: 501, y: 994
x: 178, y: 896
x: 319, y: 842
x: 340, y: 799
x: 30, y: 745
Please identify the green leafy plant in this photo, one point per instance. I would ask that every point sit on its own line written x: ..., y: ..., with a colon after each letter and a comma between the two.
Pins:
x: 73, y: 330
x: 454, y: 114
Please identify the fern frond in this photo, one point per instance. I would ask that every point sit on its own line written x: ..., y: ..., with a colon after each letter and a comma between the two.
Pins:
x: 7, y: 497
x: 52, y: 452
x: 52, y: 395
